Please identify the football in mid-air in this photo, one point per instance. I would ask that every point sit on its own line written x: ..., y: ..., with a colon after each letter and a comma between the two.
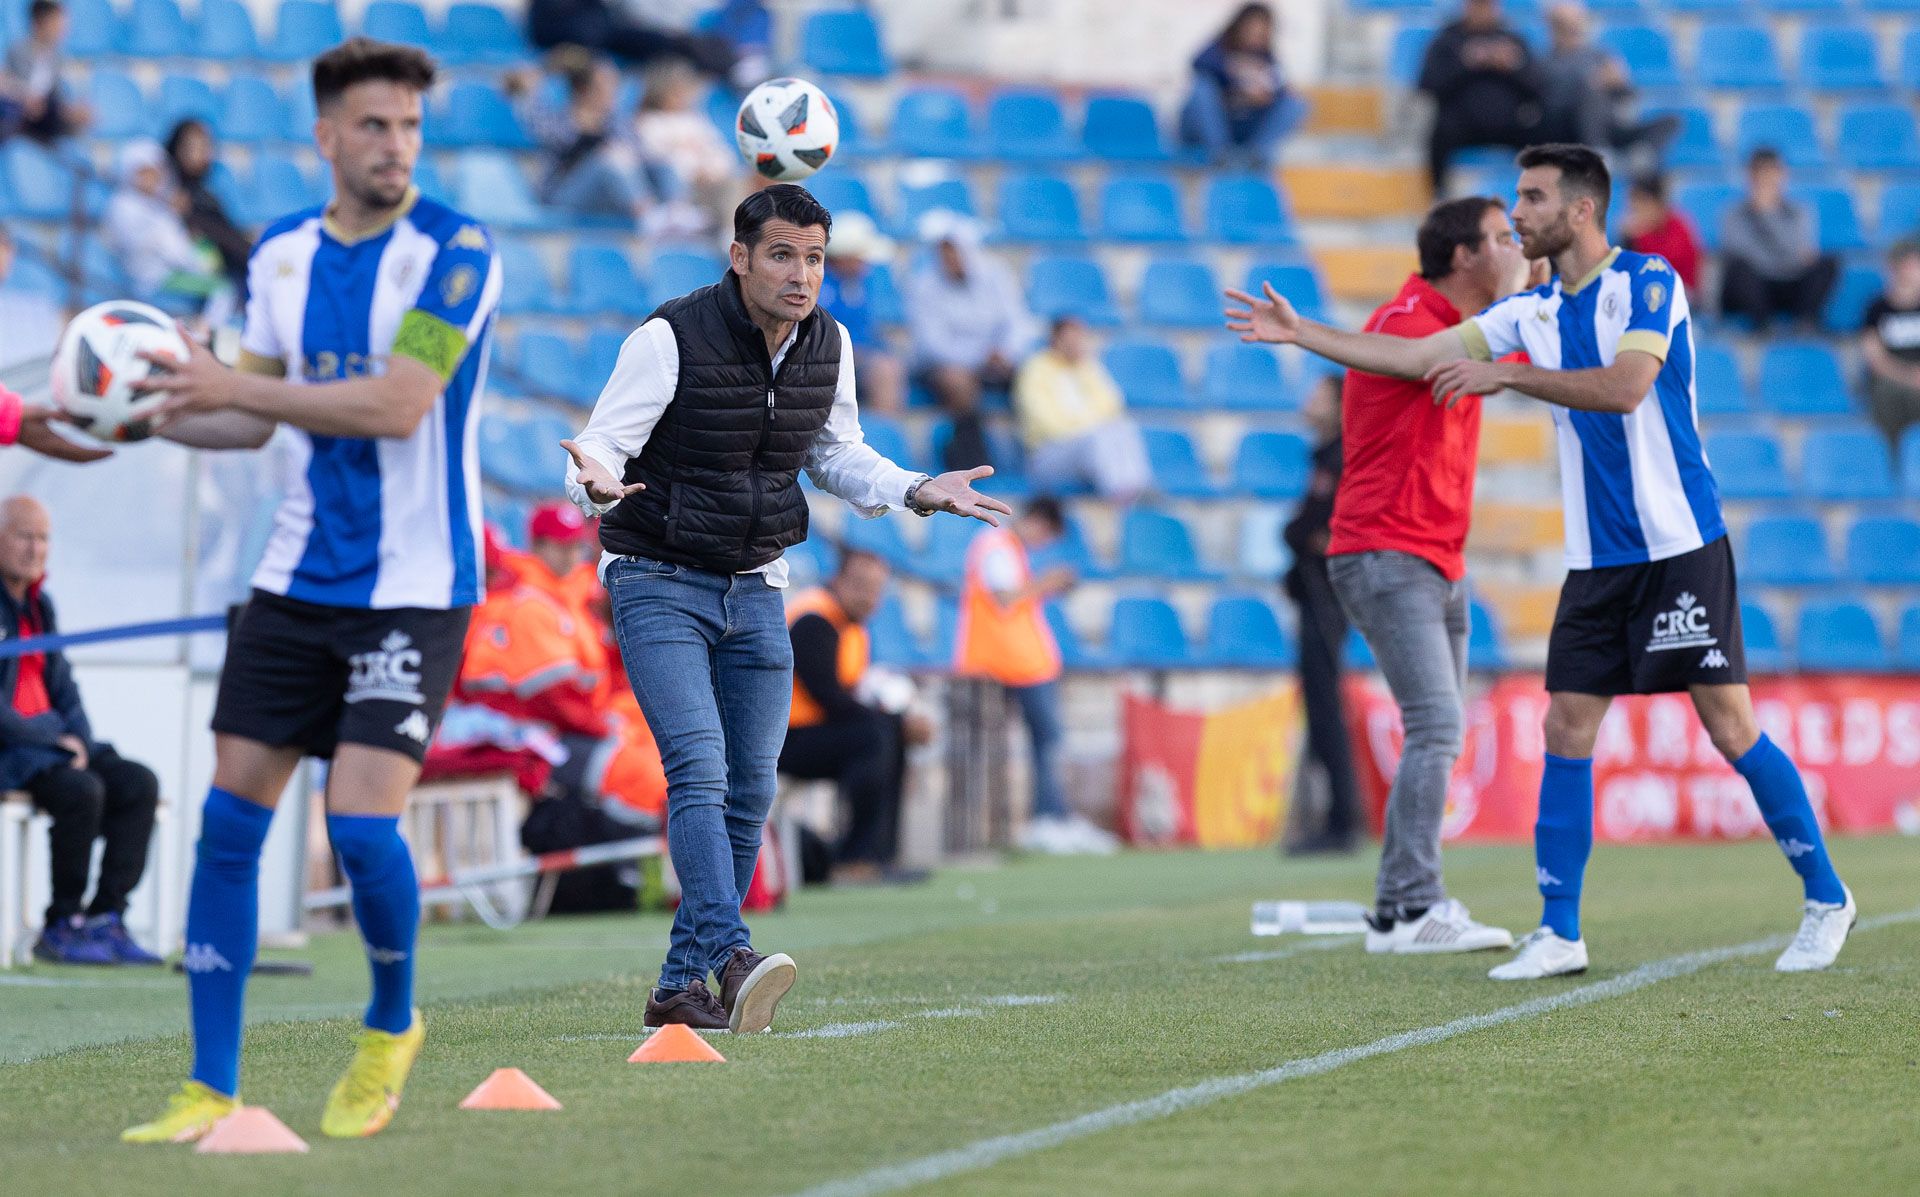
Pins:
x: 98, y: 361
x: 787, y: 129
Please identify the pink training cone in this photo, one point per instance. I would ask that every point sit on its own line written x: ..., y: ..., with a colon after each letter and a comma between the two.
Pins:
x: 675, y: 1043
x: 250, y: 1130
x: 509, y: 1089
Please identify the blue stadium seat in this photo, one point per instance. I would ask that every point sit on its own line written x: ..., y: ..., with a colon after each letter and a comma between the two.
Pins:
x: 529, y: 288
x: 943, y: 559
x: 1706, y: 7
x: 881, y: 537
x: 1910, y: 59
x: 1884, y: 550
x: 1786, y: 550
x: 1845, y: 463
x: 426, y: 176
x: 1247, y: 210
x: 1803, y: 378
x: 856, y: 138
x: 1858, y: 287
x: 93, y: 28
x: 1154, y: 544
x: 888, y: 438
x: 1839, y: 635
x: 1910, y: 461
x: 1148, y: 373
x: 1899, y: 212
x: 1718, y: 385
x: 1761, y: 638
x: 252, y: 111
x: 479, y: 115
x: 1874, y: 136
x: 278, y: 187
x: 1486, y: 643
x: 1738, y: 56
x: 1748, y: 465
x: 1906, y: 652
x: 1071, y: 286
x: 303, y: 29
x: 889, y: 307
x: 1695, y: 144
x: 481, y: 33
x: 844, y: 42
x: 1181, y: 293
x: 38, y: 185
x: 1028, y: 126
x: 1245, y: 377
x: 678, y: 271
x: 952, y: 195
x: 119, y: 110
x: 226, y: 31
x: 604, y: 281
x: 603, y: 353
x: 1141, y: 208
x: 1840, y: 58
x: 1648, y: 53
x: 809, y: 563
x: 1836, y: 220
x: 155, y: 29
x: 396, y: 21
x: 1271, y: 465
x: 526, y: 452
x: 842, y: 190
x: 1146, y: 634
x: 551, y: 364
x: 489, y: 187
x: 893, y: 641
x: 1123, y: 129
x: 1298, y: 281
x: 1074, y: 652
x: 933, y: 122
x: 1787, y: 128
x: 1177, y: 471
x: 183, y: 96
x: 1039, y: 207
x: 1404, y: 54
x: 1244, y: 633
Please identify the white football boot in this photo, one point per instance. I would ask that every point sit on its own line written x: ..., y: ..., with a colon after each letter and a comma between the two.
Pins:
x: 1445, y: 927
x: 1823, y: 932
x: 1544, y: 954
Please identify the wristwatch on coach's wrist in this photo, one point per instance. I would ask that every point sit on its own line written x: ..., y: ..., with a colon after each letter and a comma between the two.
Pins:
x: 913, y: 492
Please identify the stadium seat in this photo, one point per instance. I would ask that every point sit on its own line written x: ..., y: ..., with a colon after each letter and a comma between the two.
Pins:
x: 1739, y: 57
x: 1028, y: 126
x: 943, y: 559
x: 1123, y: 129
x: 1247, y: 210
x: 480, y: 115
x: 1884, y: 550
x: 226, y: 31
x: 1875, y: 136
x: 1062, y: 286
x: 396, y: 21
x: 1245, y: 377
x: 93, y: 28
x: 1748, y: 465
x: 1787, y: 128
x: 119, y: 110
x: 1075, y: 654
x: 183, y: 96
x: 603, y: 353
x: 1835, y: 219
x: 1786, y: 550
x: 678, y: 271
x: 1719, y: 388
x: 916, y: 200
x: 1803, y: 378
x: 1647, y: 52
x: 604, y: 281
x: 1298, y: 281
x: 481, y: 33
x: 1910, y: 461
x: 1694, y: 145
x: 37, y: 185
x: 1405, y: 52
x: 1837, y: 635
x: 1899, y: 212
x: 1840, y: 58
x: 842, y: 190
x: 1705, y: 7
x: 426, y: 176
x: 1244, y: 633
x: 1177, y: 471
x: 1906, y: 653
x: 1858, y: 287
x: 1148, y: 373
x: 1761, y: 638
x: 1271, y: 465
x: 155, y: 29
x: 1910, y: 59
x: 893, y: 641
x: 1259, y: 549
x: 888, y: 438
x: 304, y: 29
x: 1845, y: 464
x: 1146, y: 634
x: 933, y: 122
x: 278, y: 186
x: 1180, y: 293
x: 489, y: 186
x: 1154, y: 544
x: 889, y: 307
x: 524, y: 454
x: 551, y: 364
x: 529, y: 288
x: 252, y: 111
x: 844, y: 42
x: 1141, y: 208
x: 1486, y: 645
x: 1039, y: 207
x: 880, y: 537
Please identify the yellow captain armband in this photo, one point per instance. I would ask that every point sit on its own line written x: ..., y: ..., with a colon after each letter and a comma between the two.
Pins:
x: 1475, y: 341
x: 431, y: 341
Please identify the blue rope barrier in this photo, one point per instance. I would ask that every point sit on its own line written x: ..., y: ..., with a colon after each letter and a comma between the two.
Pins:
x: 131, y: 631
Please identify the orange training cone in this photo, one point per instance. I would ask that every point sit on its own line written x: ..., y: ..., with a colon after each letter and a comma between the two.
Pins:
x: 250, y: 1130
x: 509, y: 1089
x: 675, y: 1043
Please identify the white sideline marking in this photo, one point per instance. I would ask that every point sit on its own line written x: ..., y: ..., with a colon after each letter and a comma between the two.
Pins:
x: 1314, y: 945
x: 985, y: 1153
x: 846, y: 1030
x: 82, y: 983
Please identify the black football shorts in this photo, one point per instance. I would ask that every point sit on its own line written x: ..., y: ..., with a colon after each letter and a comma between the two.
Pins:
x: 1651, y: 628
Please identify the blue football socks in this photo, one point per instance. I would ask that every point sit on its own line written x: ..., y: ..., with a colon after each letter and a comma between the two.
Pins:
x: 1783, y: 803
x: 223, y: 930
x: 1562, y: 840
x: 386, y: 903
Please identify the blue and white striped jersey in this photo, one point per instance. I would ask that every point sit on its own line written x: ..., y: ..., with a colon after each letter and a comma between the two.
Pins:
x: 1634, y: 488
x: 378, y: 522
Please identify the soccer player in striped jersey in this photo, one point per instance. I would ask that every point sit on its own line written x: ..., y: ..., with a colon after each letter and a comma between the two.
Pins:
x: 1650, y: 603
x: 366, y: 339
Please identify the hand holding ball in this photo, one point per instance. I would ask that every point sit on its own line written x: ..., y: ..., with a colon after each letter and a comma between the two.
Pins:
x: 99, y: 360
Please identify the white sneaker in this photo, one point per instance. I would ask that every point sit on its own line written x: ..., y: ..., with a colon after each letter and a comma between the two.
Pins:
x: 1544, y: 954
x: 1445, y: 927
x: 1091, y: 839
x: 1823, y: 932
x: 1050, y: 837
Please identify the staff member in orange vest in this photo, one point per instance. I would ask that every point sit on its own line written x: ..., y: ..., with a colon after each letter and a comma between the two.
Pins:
x: 559, y: 556
x: 1004, y: 636
x: 831, y: 734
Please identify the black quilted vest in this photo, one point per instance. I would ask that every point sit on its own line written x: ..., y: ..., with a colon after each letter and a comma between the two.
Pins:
x: 721, y: 467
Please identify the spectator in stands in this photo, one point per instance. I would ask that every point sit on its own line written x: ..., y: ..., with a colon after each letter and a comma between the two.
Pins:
x: 1588, y: 97
x: 559, y: 556
x: 32, y: 321
x: 1654, y: 226
x: 969, y: 325
x: 605, y: 26
x: 191, y: 153
x: 689, y: 159
x: 1074, y: 420
x: 1890, y: 345
x: 1771, y: 264
x: 33, y: 94
x: 145, y: 229
x: 838, y: 729
x: 1486, y: 87
x: 594, y: 164
x: 854, y: 248
x: 1323, y: 629
x: 1240, y: 107
x: 47, y: 749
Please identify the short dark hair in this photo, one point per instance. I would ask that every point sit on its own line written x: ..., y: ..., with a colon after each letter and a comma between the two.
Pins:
x: 1654, y: 187
x: 1582, y: 172
x: 359, y: 59
x: 1048, y: 511
x: 1063, y: 320
x: 782, y: 201
x: 40, y: 10
x: 1899, y: 251
x: 1764, y: 155
x: 850, y: 556
x: 1449, y: 226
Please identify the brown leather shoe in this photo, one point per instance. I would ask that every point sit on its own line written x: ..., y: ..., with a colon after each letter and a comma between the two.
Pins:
x: 751, y: 985
x: 694, y: 1006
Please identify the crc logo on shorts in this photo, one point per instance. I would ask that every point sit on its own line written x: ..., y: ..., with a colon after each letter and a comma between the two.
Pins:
x: 1683, y: 627
x: 390, y: 673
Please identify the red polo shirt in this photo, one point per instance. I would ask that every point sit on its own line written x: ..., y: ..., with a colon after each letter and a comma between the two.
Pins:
x: 1407, y: 481
x: 30, y: 696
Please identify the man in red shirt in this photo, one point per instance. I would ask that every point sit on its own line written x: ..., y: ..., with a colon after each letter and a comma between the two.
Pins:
x: 1655, y: 227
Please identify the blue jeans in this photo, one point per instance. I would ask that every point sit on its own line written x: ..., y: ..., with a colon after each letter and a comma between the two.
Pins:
x: 709, y: 659
x: 1206, y: 123
x: 1040, y: 707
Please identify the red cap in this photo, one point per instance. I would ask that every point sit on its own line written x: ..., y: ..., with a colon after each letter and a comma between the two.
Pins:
x: 557, y: 521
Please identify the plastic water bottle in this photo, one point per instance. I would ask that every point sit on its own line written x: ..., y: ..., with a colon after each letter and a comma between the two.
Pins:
x: 1310, y: 918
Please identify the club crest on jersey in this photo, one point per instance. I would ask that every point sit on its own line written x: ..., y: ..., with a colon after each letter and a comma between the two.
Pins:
x: 1655, y: 296
x: 461, y: 282
x: 1611, y: 305
x: 390, y: 673
x: 1685, y: 626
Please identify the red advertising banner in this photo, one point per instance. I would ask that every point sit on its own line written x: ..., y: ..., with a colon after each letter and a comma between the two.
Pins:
x: 1656, y: 775
x: 1217, y: 779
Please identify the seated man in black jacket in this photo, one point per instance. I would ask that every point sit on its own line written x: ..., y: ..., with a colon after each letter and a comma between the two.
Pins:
x: 1486, y: 88
x: 836, y: 732
x: 47, y: 749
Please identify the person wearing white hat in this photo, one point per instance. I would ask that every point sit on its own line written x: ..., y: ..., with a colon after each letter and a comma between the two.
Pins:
x: 146, y: 232
x: 855, y: 247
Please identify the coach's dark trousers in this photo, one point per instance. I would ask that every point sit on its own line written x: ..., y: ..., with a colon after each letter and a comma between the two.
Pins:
x: 112, y: 799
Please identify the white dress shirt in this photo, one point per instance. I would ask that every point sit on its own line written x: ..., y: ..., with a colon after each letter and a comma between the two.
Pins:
x: 644, y: 378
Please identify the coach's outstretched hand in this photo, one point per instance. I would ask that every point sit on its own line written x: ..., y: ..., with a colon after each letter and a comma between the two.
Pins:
x: 1272, y: 319
x: 953, y: 492
x: 601, y: 486
x: 37, y: 433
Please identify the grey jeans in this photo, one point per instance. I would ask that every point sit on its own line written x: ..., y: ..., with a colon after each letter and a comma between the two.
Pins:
x: 1415, y: 621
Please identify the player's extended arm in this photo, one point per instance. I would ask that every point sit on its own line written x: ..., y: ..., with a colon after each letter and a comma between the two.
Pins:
x: 1617, y: 389
x: 386, y: 405
x: 1274, y: 321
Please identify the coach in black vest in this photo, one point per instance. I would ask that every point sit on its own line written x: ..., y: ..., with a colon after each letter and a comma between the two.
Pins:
x: 692, y: 461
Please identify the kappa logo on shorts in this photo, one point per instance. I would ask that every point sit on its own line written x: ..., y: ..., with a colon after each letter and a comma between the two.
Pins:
x: 414, y: 727
x: 1715, y: 659
x: 1686, y: 626
x: 390, y: 672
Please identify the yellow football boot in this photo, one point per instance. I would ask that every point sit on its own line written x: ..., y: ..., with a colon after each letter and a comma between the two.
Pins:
x: 190, y: 1114
x: 368, y: 1094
